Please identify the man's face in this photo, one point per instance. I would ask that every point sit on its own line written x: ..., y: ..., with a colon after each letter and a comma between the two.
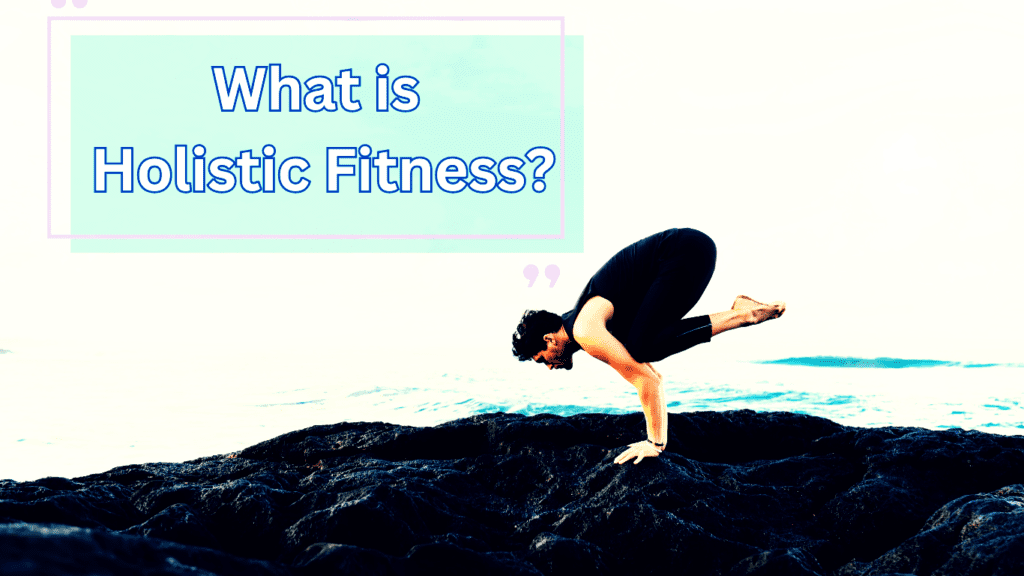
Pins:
x: 554, y: 355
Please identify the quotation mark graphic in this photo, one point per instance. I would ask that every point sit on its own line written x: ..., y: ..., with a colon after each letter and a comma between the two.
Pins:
x: 61, y: 3
x: 551, y: 273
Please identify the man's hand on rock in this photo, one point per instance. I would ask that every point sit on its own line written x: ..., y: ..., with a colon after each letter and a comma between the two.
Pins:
x: 638, y: 450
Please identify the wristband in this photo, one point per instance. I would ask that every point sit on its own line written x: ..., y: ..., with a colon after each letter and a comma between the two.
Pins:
x: 662, y: 445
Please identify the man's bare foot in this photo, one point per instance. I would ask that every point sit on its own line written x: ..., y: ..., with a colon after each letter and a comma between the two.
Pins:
x: 763, y: 312
x: 745, y: 312
x: 745, y: 303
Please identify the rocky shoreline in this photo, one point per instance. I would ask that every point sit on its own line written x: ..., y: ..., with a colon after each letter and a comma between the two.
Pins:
x: 736, y: 494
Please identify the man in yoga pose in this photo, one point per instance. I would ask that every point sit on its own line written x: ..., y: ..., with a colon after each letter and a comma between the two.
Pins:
x: 630, y: 314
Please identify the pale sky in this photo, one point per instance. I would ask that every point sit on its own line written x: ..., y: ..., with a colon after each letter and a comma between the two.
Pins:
x: 860, y: 160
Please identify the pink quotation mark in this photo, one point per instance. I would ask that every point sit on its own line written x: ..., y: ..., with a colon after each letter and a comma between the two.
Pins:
x: 61, y: 3
x: 551, y: 273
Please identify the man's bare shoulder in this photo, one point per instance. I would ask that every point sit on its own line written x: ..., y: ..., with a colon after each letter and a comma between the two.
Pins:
x: 592, y: 318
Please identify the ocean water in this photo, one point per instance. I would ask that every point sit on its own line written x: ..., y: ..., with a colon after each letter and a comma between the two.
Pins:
x: 70, y: 412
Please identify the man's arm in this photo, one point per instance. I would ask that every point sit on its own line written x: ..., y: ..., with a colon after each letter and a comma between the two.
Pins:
x: 592, y: 335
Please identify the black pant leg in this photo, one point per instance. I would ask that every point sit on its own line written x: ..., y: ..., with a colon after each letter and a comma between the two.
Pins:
x: 685, y: 266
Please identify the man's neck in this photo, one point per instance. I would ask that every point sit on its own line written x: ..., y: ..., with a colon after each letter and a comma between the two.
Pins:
x: 571, y: 347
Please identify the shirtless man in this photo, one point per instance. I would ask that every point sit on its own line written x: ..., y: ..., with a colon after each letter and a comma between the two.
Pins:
x: 630, y: 314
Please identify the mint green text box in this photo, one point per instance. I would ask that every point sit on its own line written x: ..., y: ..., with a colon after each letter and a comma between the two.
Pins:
x: 480, y: 96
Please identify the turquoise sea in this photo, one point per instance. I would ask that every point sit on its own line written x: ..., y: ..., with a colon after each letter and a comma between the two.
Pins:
x: 70, y: 412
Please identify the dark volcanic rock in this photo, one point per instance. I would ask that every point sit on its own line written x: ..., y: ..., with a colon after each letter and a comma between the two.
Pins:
x: 177, y: 523
x: 980, y: 534
x: 556, y: 555
x: 788, y: 562
x: 68, y: 551
x: 739, y: 494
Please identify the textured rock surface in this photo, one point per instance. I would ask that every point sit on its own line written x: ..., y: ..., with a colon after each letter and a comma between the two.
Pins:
x: 739, y: 494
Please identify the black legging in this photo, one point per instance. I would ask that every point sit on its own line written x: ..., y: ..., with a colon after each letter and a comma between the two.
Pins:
x: 686, y: 261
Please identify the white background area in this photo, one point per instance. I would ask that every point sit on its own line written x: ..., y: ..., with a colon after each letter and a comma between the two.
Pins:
x: 860, y: 160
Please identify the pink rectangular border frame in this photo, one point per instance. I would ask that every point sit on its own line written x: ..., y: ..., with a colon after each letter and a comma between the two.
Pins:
x: 49, y: 136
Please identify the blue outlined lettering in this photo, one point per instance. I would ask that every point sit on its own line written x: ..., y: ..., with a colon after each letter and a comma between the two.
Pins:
x: 199, y: 168
x: 346, y: 81
x: 384, y: 163
x: 284, y: 174
x: 181, y: 169
x: 322, y: 97
x: 452, y: 174
x: 223, y: 177
x: 512, y: 180
x: 407, y: 165
x: 251, y: 96
x: 246, y: 163
x: 483, y: 179
x: 547, y: 156
x: 406, y: 99
x: 382, y: 87
x: 278, y: 83
x: 364, y: 168
x: 268, y: 168
x: 334, y: 170
x: 162, y: 168
x: 101, y: 169
x: 448, y: 169
x: 315, y: 94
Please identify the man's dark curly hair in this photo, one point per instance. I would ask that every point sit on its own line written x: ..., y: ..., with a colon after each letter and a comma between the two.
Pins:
x: 529, y: 336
